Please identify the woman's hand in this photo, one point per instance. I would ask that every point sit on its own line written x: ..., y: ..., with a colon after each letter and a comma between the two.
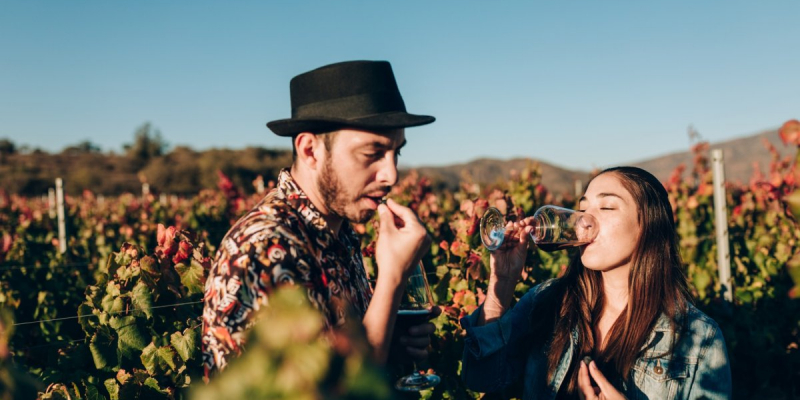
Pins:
x: 506, y: 262
x: 506, y: 268
x: 604, y: 389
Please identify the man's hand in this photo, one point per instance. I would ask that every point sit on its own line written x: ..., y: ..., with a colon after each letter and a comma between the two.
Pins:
x: 402, y: 241
x: 414, y: 340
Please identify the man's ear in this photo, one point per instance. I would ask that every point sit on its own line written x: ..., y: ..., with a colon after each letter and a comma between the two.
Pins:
x: 310, y: 150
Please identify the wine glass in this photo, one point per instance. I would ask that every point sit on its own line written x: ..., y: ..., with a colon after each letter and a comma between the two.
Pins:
x: 554, y: 228
x: 415, y: 308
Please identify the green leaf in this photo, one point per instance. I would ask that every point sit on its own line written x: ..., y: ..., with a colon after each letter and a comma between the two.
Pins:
x: 87, y: 323
x: 142, y: 298
x: 124, y: 273
x: 154, y: 392
x: 159, y: 360
x: 149, y: 265
x: 131, y: 339
x: 112, y: 387
x: 103, y: 348
x: 91, y: 392
x: 184, y: 343
x: 191, y: 276
x: 112, y: 288
x: 122, y: 259
x: 793, y: 201
x: 148, y: 358
x: 150, y: 382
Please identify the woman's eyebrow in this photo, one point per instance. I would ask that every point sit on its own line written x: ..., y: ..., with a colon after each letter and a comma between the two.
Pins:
x: 603, y: 195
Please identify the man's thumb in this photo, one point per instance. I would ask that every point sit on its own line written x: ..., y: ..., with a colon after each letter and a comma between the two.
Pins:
x: 386, y: 217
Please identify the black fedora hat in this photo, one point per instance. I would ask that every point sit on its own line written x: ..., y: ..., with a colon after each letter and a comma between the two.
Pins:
x: 350, y: 94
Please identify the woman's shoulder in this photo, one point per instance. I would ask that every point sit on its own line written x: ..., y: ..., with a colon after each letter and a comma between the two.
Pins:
x: 700, y: 332
x: 541, y: 289
x: 698, y: 321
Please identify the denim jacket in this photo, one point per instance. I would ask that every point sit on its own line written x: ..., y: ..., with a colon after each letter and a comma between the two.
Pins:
x: 499, y: 353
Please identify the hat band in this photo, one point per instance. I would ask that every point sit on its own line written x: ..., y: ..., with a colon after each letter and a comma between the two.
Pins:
x: 350, y: 107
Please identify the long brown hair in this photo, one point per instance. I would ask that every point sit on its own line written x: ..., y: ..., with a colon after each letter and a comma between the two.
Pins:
x: 656, y: 285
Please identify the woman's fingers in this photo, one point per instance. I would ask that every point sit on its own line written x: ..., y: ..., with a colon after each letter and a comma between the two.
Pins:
x: 586, y: 391
x: 605, y: 386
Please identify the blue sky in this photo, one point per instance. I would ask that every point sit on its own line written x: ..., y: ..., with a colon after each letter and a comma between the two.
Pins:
x: 581, y: 84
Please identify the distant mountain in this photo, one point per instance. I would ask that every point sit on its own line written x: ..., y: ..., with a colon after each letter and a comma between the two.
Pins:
x: 740, y: 156
x: 185, y: 171
x: 488, y: 171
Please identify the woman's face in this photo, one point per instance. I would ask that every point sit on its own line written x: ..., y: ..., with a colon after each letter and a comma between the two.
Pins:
x: 617, y: 215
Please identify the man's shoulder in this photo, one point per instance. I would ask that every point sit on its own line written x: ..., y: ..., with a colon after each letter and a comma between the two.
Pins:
x: 273, y: 217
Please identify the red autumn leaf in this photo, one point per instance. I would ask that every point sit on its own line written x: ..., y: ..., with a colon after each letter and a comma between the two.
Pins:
x: 458, y: 297
x: 480, y: 206
x: 369, y: 251
x: 7, y: 241
x: 468, y: 208
x: 790, y: 132
x: 184, y: 252
x: 475, y: 222
x: 452, y: 312
x: 459, y: 248
x: 474, y: 265
x: 166, y: 240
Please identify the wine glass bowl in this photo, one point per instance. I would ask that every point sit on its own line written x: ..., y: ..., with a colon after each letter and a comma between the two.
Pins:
x: 492, y: 229
x: 554, y: 228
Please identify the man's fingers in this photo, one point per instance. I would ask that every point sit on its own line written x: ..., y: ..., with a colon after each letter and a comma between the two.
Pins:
x: 422, y: 329
x: 405, y: 214
x: 585, y: 384
x: 386, y: 217
x: 417, y: 354
x: 416, y: 341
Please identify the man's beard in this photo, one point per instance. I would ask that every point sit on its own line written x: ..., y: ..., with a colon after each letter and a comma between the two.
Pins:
x: 335, y: 198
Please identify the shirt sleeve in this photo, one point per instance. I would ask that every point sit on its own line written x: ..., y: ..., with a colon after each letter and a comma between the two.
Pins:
x: 495, y: 353
x: 713, y: 377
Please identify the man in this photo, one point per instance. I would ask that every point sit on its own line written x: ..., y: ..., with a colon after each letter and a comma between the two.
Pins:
x: 347, y: 128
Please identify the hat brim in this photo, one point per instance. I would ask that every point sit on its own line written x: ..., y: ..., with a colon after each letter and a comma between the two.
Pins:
x: 384, y: 121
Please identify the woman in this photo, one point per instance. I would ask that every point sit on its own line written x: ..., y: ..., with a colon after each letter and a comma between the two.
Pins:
x: 618, y: 324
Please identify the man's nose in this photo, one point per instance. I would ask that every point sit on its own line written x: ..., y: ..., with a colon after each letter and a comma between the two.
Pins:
x: 387, y: 174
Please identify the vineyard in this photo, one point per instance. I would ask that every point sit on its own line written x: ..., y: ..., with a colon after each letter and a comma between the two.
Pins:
x: 117, y: 315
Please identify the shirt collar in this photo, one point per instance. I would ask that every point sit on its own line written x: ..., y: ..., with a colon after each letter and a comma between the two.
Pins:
x: 295, y: 197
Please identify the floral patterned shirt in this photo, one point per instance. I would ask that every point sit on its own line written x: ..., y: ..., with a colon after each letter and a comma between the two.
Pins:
x: 283, y: 240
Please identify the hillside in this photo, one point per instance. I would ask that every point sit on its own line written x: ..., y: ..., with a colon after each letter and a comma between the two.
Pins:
x: 740, y: 154
x: 186, y: 171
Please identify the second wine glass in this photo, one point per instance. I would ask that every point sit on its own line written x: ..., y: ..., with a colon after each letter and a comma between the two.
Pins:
x: 415, y: 308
